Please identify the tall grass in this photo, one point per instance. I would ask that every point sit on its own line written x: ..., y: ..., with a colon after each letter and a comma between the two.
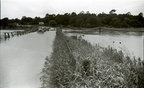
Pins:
x: 77, y: 64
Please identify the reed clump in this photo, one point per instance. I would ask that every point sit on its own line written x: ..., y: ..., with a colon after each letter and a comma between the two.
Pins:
x: 77, y: 64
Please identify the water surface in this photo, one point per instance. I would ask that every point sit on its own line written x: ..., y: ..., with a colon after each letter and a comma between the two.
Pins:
x: 22, y: 59
x: 7, y: 31
x: 131, y: 43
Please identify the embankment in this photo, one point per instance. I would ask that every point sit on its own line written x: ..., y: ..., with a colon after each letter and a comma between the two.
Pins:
x: 75, y: 63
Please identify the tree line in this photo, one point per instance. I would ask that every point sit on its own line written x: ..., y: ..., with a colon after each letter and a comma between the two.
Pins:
x: 82, y: 19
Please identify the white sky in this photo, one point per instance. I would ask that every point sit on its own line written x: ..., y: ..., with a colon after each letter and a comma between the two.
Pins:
x: 33, y: 8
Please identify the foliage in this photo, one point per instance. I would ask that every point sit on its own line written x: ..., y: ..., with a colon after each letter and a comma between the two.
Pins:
x: 52, y: 23
x: 85, y: 20
x: 75, y: 63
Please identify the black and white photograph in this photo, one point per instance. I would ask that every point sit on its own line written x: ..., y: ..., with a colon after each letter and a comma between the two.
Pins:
x: 72, y: 44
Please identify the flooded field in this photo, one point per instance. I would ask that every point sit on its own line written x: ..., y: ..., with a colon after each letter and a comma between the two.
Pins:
x: 131, y: 43
x: 22, y: 59
x: 2, y: 33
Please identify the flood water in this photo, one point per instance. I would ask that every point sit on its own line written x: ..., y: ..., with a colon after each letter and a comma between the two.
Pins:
x: 8, y: 31
x: 22, y: 59
x: 131, y: 43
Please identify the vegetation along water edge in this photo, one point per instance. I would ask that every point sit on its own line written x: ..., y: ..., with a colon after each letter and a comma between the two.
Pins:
x: 75, y: 63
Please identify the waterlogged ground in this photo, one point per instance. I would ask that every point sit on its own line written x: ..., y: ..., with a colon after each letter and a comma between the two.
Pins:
x: 131, y: 43
x: 22, y: 59
x: 8, y: 31
x: 78, y: 64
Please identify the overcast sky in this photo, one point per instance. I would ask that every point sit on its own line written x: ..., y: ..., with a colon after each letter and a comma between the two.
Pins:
x: 33, y: 8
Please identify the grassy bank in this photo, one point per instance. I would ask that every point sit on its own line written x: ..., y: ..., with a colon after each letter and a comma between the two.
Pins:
x: 77, y: 64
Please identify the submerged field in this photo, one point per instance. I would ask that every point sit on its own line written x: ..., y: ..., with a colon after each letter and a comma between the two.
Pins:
x: 75, y: 63
x: 104, y: 30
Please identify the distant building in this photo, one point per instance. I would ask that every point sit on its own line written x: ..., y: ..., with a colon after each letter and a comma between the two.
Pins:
x: 41, y: 23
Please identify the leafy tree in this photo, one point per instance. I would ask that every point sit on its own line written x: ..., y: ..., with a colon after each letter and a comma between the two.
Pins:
x: 140, y: 18
x: 4, y: 22
x: 59, y: 19
x: 16, y: 20
x: 73, y: 14
x: 36, y: 20
x: 79, y: 22
x: 65, y: 19
x: 115, y: 22
x: 87, y: 12
x: 26, y: 20
x: 135, y: 23
x: 52, y: 23
x: 128, y: 13
x: 72, y: 21
x: 82, y: 12
x: 112, y: 11
x: 125, y: 22
x: 140, y: 14
x: 82, y: 20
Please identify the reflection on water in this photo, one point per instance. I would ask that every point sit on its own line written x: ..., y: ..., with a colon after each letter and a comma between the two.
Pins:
x: 131, y: 43
x: 22, y: 58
